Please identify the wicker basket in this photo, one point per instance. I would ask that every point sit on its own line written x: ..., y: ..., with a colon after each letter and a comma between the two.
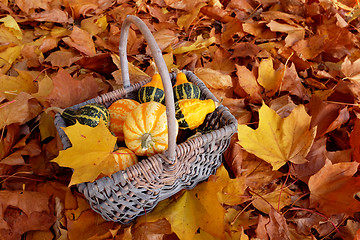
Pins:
x: 137, y: 190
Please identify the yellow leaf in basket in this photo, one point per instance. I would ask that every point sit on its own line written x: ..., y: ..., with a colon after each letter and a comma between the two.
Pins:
x: 278, y: 140
x: 90, y: 154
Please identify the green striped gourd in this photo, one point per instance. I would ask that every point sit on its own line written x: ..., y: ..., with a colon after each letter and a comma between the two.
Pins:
x: 152, y: 91
x: 90, y: 114
x: 183, y: 89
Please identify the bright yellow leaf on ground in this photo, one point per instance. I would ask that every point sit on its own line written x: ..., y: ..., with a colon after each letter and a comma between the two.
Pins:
x: 231, y: 191
x: 12, y: 25
x: 268, y: 77
x: 278, y: 140
x: 199, y: 44
x: 184, y: 214
x: 90, y: 154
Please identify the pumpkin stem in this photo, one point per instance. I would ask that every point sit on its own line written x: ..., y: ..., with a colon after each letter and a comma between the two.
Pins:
x: 146, y: 140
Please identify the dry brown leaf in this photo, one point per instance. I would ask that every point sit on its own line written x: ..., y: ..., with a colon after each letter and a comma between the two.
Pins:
x: 332, y: 189
x: 277, y: 227
x: 62, y: 58
x: 295, y: 33
x: 316, y: 160
x: 355, y: 141
x: 248, y: 83
x: 82, y: 41
x: 245, y: 49
x: 53, y: 15
x: 326, y: 116
x: 68, y: 91
x: 292, y: 82
x: 351, y: 70
x: 20, y: 110
x: 24, y: 211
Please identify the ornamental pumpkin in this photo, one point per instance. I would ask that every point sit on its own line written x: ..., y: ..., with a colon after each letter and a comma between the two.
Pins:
x: 183, y: 89
x: 118, y: 111
x: 89, y: 114
x: 145, y: 129
x: 152, y: 91
x: 124, y: 158
x: 191, y: 113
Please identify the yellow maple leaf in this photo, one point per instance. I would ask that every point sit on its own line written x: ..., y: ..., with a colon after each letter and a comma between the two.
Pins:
x: 90, y: 154
x: 278, y: 140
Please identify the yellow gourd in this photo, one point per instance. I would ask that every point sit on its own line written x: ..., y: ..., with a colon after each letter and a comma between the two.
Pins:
x: 191, y: 113
x: 145, y: 129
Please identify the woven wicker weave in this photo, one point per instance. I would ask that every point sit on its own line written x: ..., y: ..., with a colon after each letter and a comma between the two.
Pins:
x: 137, y: 190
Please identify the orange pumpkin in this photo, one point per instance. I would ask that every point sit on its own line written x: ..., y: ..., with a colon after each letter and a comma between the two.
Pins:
x: 118, y: 111
x: 145, y: 129
x: 124, y: 158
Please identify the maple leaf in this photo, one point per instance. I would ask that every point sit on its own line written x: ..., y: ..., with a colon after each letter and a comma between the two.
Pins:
x: 182, y: 214
x: 332, y: 189
x: 351, y: 70
x: 90, y: 154
x: 68, y: 91
x: 278, y: 140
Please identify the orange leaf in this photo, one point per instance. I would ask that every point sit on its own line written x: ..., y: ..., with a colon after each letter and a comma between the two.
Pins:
x: 68, y: 91
x: 248, y: 82
x: 82, y: 41
x: 332, y: 189
x: 23, y: 108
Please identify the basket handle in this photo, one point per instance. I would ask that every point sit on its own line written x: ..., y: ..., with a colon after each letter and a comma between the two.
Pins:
x: 163, y: 71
